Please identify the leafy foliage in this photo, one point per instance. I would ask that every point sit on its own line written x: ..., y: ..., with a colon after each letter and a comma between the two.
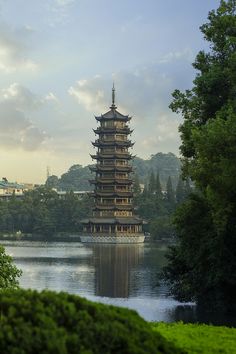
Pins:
x: 8, y: 272
x: 166, y: 165
x: 41, y: 211
x: 157, y: 206
x: 48, y: 322
x: 75, y: 179
x: 200, y: 265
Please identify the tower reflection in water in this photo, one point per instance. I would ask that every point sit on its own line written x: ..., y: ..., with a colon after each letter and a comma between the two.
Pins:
x: 114, y: 265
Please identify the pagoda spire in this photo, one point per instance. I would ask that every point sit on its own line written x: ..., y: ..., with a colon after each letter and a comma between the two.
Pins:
x: 113, y: 106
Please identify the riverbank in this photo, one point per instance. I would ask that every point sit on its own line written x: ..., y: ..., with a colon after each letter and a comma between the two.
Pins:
x: 18, y: 236
x: 198, y: 338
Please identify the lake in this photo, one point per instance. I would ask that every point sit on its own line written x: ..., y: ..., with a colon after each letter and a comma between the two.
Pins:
x: 123, y: 275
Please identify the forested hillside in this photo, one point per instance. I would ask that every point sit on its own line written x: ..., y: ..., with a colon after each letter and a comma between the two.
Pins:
x: 77, y: 177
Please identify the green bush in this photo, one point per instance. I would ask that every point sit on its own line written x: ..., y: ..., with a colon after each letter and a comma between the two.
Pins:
x: 49, y: 322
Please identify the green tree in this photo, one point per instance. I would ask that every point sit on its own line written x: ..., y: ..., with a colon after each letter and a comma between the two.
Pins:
x: 170, y: 195
x: 180, y: 191
x: 158, y: 187
x: 200, y: 265
x: 152, y: 183
x: 9, y: 273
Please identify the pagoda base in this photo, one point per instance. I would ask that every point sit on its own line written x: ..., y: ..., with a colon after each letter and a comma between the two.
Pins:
x: 138, y: 238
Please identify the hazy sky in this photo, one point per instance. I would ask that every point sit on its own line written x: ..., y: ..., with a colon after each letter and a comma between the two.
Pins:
x: 58, y: 60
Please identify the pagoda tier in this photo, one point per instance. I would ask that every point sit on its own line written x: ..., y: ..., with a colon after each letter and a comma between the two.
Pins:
x: 104, y: 143
x: 111, y: 194
x: 113, y: 130
x: 111, y: 168
x: 114, y: 116
x: 113, y: 213
x: 113, y: 206
x: 111, y: 181
x: 115, y: 155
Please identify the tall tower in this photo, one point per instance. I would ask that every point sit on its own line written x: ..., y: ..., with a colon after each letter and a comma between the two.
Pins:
x: 113, y: 218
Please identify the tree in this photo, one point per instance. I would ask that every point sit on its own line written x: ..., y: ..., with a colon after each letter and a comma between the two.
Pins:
x: 200, y: 264
x: 152, y: 183
x: 158, y: 187
x: 170, y: 196
x: 8, y: 272
x: 180, y: 193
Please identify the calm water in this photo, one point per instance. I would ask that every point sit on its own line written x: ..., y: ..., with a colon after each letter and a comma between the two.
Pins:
x: 123, y: 275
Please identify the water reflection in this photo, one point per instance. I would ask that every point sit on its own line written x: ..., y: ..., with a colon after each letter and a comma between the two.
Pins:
x: 122, y: 275
x: 114, y: 265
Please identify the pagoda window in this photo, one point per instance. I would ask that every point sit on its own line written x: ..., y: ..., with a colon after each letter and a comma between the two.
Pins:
x: 121, y: 200
x: 107, y: 188
x: 105, y: 228
x: 107, y: 124
x: 106, y: 213
x: 107, y: 150
x: 122, y: 162
x: 118, y: 124
x: 121, y: 149
x: 121, y: 137
x: 107, y: 201
x: 108, y: 137
x: 122, y: 175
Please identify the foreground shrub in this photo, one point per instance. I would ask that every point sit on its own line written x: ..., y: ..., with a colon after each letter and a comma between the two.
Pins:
x: 9, y: 273
x: 49, y: 322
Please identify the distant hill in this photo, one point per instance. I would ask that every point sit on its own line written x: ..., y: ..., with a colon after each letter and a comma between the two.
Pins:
x: 164, y: 164
x: 77, y: 177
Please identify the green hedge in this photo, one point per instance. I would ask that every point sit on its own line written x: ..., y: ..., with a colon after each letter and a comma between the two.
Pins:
x: 58, y: 323
x: 199, y: 338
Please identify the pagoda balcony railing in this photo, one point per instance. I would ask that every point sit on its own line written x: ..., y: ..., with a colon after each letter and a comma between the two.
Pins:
x: 113, y: 176
x: 100, y: 204
x: 112, y: 179
x: 112, y: 191
x: 113, y: 206
x: 113, y: 234
x: 114, y: 165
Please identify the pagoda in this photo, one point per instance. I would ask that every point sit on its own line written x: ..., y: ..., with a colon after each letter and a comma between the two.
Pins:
x: 113, y: 219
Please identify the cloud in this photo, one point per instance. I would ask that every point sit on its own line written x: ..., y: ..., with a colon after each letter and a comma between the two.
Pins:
x: 14, y: 49
x: 59, y: 11
x: 20, y: 97
x: 17, y: 130
x: 51, y: 97
x: 186, y: 54
x: 90, y: 93
x: 145, y: 94
x: 64, y: 2
x: 163, y: 135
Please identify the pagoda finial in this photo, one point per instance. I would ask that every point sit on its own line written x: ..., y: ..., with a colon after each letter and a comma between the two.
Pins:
x: 113, y: 106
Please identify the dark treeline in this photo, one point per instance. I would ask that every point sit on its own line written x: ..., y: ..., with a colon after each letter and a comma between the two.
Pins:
x: 41, y: 211
x: 157, y: 203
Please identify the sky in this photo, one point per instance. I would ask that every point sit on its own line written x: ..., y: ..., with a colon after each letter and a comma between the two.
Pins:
x: 58, y: 62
